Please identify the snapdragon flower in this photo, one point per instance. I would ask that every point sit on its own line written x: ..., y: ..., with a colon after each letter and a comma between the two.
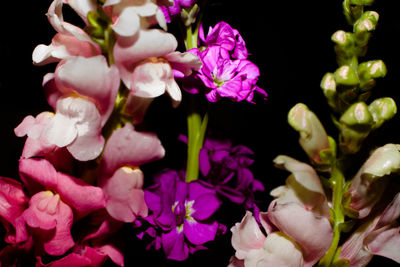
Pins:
x: 181, y: 214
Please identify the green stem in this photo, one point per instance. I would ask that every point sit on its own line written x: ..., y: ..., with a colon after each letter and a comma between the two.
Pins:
x: 337, y: 181
x: 196, y: 130
x: 197, y: 125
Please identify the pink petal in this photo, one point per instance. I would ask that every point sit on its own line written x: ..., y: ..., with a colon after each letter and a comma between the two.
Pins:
x: 246, y: 236
x: 46, y: 212
x: 90, y: 77
x: 184, y: 63
x: 278, y: 250
x: 124, y: 194
x: 128, y: 22
x: 39, y: 173
x: 127, y: 147
x: 145, y: 44
x: 303, y: 225
x: 13, y: 202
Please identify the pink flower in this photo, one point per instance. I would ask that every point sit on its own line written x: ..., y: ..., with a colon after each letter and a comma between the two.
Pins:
x: 370, y: 181
x: 124, y: 195
x: 377, y: 236
x: 69, y: 41
x: 298, y: 214
x: 83, y: 92
x: 50, y: 220
x: 120, y: 178
x: 13, y: 202
x: 39, y: 175
x: 148, y: 62
x: 130, y: 16
x: 128, y: 147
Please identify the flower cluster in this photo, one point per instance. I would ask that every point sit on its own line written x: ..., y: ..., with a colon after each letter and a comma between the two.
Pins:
x: 80, y: 168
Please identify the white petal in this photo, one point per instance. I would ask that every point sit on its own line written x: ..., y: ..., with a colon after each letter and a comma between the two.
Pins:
x: 61, y: 130
x: 128, y: 22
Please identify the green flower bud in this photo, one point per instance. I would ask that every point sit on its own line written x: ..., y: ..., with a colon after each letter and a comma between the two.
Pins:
x: 346, y: 75
x: 364, y: 25
x: 328, y: 86
x: 369, y: 71
x: 357, y: 115
x: 382, y: 109
x: 313, y: 137
x: 343, y: 38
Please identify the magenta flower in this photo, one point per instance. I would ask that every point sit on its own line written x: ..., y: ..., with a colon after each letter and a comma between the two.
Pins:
x: 224, y: 77
x: 227, y: 168
x: 223, y: 35
x: 182, y: 212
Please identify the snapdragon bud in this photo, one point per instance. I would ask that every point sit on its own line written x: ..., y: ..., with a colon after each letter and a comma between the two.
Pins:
x: 369, y: 71
x: 328, y: 86
x: 357, y: 115
x: 346, y: 75
x: 355, y: 125
x: 364, y: 25
x: 382, y: 109
x: 313, y: 138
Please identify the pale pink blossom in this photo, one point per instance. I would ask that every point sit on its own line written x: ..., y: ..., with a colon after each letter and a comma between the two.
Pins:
x: 370, y: 181
x: 148, y: 64
x: 124, y: 194
x: 130, y: 16
x: 128, y: 147
x: 379, y: 235
x: 70, y: 40
x: 303, y: 186
x: 36, y: 144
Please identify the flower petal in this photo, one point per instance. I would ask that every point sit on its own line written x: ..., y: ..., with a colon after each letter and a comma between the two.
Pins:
x: 199, y: 233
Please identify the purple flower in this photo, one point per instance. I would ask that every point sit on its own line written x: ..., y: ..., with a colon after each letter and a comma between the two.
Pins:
x: 225, y: 36
x: 181, y: 214
x: 227, y: 167
x: 171, y: 11
x: 224, y: 77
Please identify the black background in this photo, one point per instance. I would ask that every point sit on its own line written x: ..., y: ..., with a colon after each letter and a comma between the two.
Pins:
x: 288, y: 40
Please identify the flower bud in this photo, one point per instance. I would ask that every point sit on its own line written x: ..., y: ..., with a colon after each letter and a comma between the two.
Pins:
x: 313, y: 137
x: 328, y: 86
x: 355, y: 125
x: 382, y: 109
x: 346, y: 75
x: 357, y: 115
x: 365, y: 24
x: 369, y: 71
x: 188, y: 15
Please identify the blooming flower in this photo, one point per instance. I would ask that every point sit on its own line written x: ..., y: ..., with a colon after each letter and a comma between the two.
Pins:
x: 227, y: 167
x: 223, y: 76
x: 370, y: 181
x: 223, y: 35
x: 182, y: 212
x: 379, y: 235
x: 57, y: 200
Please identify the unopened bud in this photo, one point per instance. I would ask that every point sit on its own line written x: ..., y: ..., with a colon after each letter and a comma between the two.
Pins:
x: 346, y: 75
x: 382, y: 109
x: 357, y: 115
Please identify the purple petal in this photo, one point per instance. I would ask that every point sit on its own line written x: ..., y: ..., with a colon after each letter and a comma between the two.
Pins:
x: 205, y: 206
x: 199, y: 233
x: 174, y: 245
